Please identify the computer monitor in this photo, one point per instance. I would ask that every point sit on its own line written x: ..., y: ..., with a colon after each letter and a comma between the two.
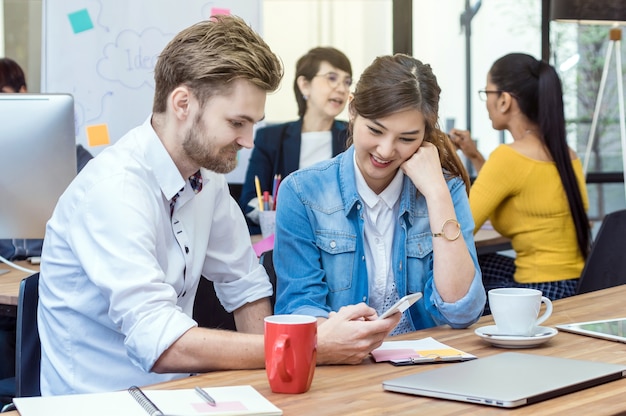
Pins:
x: 37, y: 160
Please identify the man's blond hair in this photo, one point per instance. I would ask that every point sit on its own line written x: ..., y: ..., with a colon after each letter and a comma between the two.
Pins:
x: 208, y: 55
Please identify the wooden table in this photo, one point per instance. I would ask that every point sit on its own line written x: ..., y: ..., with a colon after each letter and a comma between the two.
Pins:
x: 358, y: 389
x: 339, y: 390
x: 10, y: 286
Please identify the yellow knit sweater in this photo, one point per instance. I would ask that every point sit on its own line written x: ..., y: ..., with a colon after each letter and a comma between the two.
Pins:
x: 525, y: 201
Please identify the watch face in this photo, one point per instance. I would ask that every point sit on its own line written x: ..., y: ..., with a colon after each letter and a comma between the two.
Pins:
x: 450, y: 230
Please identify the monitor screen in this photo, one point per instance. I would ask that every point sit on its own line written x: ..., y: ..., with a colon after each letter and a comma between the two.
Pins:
x: 37, y: 160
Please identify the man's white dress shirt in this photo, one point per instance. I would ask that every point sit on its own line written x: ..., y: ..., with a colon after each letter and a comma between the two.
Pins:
x: 119, y: 276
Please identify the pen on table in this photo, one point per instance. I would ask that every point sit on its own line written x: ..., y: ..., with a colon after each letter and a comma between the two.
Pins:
x: 257, y: 185
x: 206, y: 396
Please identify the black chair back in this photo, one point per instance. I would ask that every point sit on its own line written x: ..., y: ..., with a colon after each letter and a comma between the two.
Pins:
x: 28, y: 345
x: 208, y: 312
x: 267, y: 260
x: 606, y: 265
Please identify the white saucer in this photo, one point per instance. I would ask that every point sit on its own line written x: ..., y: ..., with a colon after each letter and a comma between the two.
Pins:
x: 505, y: 341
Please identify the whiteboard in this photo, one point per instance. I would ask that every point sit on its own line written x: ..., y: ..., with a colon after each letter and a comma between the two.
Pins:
x: 103, y: 52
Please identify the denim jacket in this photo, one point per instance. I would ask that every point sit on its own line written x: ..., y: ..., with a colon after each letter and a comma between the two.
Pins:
x: 319, y: 253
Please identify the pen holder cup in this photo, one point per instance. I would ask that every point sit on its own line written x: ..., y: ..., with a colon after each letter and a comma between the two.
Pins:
x: 267, y: 220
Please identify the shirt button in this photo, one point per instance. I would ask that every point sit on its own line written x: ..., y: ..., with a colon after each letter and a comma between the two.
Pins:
x: 358, y: 206
x: 333, y: 244
x: 364, y: 298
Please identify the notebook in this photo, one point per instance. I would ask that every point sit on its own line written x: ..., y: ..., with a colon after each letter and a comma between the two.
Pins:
x: 418, y: 351
x: 230, y: 400
x: 508, y: 379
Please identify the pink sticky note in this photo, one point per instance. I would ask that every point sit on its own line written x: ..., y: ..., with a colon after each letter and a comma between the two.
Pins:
x: 264, y: 245
x: 219, y: 407
x: 219, y: 10
x: 395, y: 354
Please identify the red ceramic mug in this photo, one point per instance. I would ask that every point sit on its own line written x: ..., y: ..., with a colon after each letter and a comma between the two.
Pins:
x: 290, y: 352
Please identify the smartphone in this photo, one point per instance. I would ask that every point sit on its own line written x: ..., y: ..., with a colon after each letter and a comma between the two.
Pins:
x: 401, y: 305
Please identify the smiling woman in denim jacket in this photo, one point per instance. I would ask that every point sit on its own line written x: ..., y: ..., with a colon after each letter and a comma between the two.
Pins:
x: 388, y: 217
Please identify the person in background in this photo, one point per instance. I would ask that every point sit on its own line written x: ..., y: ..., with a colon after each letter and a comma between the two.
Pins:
x: 388, y: 217
x: 134, y: 232
x: 321, y: 86
x: 533, y: 189
x: 13, y: 80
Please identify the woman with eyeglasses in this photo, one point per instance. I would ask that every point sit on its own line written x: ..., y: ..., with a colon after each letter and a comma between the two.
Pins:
x: 533, y: 189
x: 321, y: 86
x: 387, y: 218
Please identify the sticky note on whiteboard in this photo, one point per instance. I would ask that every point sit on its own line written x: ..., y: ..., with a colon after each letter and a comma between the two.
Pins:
x: 98, y: 135
x: 219, y: 10
x: 80, y: 21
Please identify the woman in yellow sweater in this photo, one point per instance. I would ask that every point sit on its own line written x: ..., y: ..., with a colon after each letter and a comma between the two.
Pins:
x: 533, y: 189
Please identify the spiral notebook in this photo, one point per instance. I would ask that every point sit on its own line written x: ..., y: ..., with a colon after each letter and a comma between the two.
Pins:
x: 232, y: 400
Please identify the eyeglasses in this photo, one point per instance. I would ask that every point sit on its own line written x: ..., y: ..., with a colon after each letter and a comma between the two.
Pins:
x: 334, y: 80
x: 482, y: 94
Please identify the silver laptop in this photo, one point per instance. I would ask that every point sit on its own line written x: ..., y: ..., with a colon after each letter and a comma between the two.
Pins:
x: 507, y: 379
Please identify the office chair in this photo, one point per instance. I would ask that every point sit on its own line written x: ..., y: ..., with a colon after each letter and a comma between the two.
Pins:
x: 7, y: 393
x: 208, y: 312
x: 267, y: 260
x: 606, y: 265
x: 28, y: 345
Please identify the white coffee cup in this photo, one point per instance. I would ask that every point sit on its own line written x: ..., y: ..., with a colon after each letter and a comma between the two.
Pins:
x: 516, y: 310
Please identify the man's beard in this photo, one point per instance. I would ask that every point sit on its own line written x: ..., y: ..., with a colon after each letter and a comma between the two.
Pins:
x: 198, y: 147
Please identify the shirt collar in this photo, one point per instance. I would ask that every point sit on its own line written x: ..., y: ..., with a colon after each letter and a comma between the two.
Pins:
x: 167, y: 175
x: 389, y: 195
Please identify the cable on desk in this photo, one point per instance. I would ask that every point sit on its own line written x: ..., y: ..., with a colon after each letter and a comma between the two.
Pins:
x: 15, y: 266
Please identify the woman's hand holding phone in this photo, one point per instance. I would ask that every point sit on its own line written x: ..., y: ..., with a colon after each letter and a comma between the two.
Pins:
x: 401, y: 305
